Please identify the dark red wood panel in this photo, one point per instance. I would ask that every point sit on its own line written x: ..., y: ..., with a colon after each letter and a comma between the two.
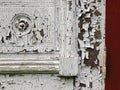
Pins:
x: 113, y: 45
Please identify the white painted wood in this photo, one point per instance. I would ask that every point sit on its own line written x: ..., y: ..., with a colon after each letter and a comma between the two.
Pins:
x: 68, y: 67
x: 35, y: 82
x: 27, y: 63
x: 59, y: 26
x: 40, y: 38
x: 69, y: 56
x: 46, y: 41
x: 91, y: 44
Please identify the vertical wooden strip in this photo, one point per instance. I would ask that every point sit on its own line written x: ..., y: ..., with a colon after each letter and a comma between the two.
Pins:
x: 91, y: 44
x: 69, y: 56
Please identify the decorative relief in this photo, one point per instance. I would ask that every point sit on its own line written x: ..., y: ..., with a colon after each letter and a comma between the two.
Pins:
x: 48, y: 30
x: 27, y: 30
x: 21, y: 24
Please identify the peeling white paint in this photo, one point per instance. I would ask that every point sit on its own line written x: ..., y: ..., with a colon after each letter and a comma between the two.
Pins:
x: 91, y: 40
x: 55, y: 25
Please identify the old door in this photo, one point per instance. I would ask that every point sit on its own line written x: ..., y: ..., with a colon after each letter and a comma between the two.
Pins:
x: 38, y: 37
x: 40, y: 44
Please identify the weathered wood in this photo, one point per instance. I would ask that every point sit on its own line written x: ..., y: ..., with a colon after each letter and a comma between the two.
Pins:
x: 69, y: 56
x: 69, y: 67
x: 57, y: 27
x: 34, y: 30
x: 35, y: 82
x: 27, y: 63
x: 91, y: 44
x: 40, y: 35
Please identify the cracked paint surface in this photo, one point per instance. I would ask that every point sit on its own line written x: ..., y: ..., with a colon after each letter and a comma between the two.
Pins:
x: 89, y: 29
x: 38, y: 38
x: 91, y: 44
